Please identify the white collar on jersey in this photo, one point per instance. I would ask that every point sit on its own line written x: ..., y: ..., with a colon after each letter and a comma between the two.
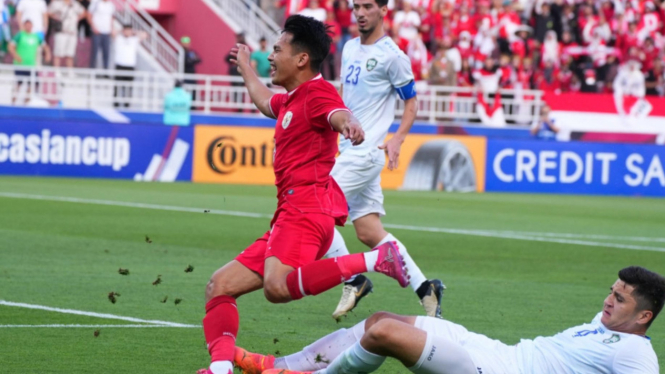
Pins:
x: 313, y: 79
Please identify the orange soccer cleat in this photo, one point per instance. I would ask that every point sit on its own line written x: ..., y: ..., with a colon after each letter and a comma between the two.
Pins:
x: 285, y: 371
x: 252, y: 363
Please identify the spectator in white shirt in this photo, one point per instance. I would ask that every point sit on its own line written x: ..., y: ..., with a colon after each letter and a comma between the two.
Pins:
x: 100, y: 18
x: 315, y: 11
x: 126, y: 48
x: 36, y: 12
x: 406, y: 22
x: 67, y: 14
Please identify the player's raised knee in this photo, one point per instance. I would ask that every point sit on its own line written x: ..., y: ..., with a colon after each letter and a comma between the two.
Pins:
x: 276, y: 292
x: 219, y: 285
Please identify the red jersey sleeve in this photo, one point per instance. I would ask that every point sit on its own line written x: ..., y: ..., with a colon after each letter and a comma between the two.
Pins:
x: 277, y: 101
x: 322, y: 102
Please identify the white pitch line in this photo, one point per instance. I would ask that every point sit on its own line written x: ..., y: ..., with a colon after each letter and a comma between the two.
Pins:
x: 131, y: 205
x: 562, y: 238
x: 96, y: 315
x: 585, y: 236
x: 506, y: 235
x: 94, y: 326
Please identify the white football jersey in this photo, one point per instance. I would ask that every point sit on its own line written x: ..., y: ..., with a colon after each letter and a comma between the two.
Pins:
x: 371, y: 76
x: 588, y: 349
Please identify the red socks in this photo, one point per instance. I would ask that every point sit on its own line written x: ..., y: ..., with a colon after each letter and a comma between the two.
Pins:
x: 322, y: 275
x: 220, y: 327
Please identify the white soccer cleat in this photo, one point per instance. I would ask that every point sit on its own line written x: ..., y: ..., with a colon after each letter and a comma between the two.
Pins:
x: 352, y: 294
x: 431, y: 301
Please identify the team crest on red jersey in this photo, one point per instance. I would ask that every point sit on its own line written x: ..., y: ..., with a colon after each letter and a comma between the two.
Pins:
x: 287, y: 120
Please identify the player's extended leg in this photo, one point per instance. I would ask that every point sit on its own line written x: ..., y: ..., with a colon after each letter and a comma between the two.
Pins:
x: 315, y: 356
x: 370, y: 231
x: 389, y: 335
x: 418, y: 350
x: 284, y: 283
x: 221, y: 321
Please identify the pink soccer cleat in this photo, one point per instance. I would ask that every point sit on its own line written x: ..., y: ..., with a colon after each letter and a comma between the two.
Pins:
x: 252, y: 363
x: 390, y: 263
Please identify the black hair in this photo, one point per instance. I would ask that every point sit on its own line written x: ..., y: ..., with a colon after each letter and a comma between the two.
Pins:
x: 309, y: 36
x: 263, y: 39
x: 381, y: 3
x: 178, y: 83
x: 649, y: 289
x: 127, y: 26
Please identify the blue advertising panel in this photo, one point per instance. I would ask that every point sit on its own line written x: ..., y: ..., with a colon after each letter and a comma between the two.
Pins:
x: 96, y: 150
x: 575, y: 168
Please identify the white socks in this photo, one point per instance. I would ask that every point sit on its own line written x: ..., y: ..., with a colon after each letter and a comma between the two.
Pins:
x: 322, y: 352
x: 355, y: 360
x: 417, y: 276
x: 370, y: 260
x: 221, y: 367
x: 338, y: 248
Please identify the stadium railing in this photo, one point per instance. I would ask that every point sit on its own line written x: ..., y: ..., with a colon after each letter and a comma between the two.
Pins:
x: 94, y: 88
x: 160, y: 44
x: 251, y: 19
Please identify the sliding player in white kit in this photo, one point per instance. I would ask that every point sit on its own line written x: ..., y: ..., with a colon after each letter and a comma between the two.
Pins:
x: 374, y: 72
x: 614, y: 342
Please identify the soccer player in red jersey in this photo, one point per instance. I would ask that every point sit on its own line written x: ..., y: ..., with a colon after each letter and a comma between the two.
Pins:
x: 285, y: 261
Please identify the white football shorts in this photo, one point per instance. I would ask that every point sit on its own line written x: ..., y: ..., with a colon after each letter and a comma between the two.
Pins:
x: 487, y: 356
x: 359, y: 176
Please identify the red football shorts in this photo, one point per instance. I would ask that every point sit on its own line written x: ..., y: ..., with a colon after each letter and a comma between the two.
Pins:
x: 296, y: 239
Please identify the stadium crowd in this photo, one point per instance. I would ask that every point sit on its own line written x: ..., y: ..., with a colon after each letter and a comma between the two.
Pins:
x: 551, y: 45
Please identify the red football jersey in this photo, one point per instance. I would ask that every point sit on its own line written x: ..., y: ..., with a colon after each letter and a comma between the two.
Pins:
x: 305, y: 149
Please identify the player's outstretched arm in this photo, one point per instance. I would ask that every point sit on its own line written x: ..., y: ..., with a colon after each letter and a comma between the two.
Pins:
x: 258, y: 91
x: 346, y: 124
x: 392, y: 147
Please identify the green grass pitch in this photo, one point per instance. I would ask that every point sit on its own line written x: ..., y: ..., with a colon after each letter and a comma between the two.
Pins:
x: 504, y: 284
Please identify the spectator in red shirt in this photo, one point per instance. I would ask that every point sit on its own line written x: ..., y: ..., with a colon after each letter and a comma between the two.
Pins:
x: 343, y: 17
x: 628, y: 39
x: 508, y: 75
x: 607, y: 9
x: 520, y: 45
x: 464, y: 45
x: 483, y: 18
x: 650, y: 54
x: 585, y: 16
x: 441, y: 20
x: 507, y: 21
x: 547, y: 78
x: 525, y: 74
x: 426, y: 24
x: 566, y: 75
x: 329, y: 70
x: 462, y: 21
x: 419, y: 56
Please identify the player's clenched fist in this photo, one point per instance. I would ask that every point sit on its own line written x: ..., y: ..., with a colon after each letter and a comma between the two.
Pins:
x: 354, y: 133
x: 346, y: 124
